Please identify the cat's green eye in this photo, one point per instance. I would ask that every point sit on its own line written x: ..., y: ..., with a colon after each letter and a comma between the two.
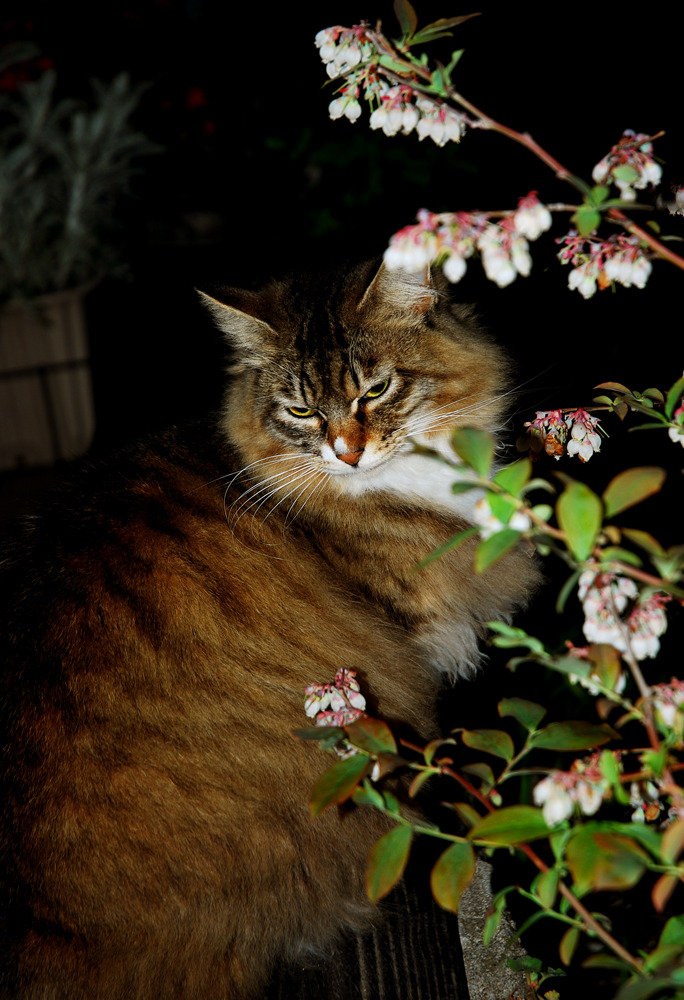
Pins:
x: 377, y: 389
x: 301, y: 411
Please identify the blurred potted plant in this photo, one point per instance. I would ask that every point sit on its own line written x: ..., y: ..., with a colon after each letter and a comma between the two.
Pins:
x: 63, y: 167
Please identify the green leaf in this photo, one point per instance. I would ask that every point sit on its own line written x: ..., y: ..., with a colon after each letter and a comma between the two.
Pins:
x: 601, y: 860
x: 644, y: 540
x: 546, y: 886
x: 493, y: 918
x: 631, y: 487
x: 642, y: 989
x: 513, y: 477
x: 587, y: 219
x: 337, y: 784
x: 615, y: 386
x: 439, y: 28
x: 500, y: 506
x: 571, y: 665
x: 494, y: 741
x: 475, y: 447
x: 527, y: 713
x: 466, y: 812
x: 575, y: 735
x: 510, y: 825
x: 368, y: 795
x: 462, y: 486
x: 673, y: 931
x: 482, y: 771
x: 494, y: 548
x: 372, y: 735
x: 598, y: 194
x: 673, y: 397
x: 625, y: 172
x: 568, y: 945
x: 406, y: 16
x: 452, y: 874
x: 510, y: 636
x: 672, y: 841
x: 579, y: 514
x: 606, y: 662
x: 387, y: 861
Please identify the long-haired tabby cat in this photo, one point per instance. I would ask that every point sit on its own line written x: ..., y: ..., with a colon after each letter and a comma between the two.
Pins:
x: 163, y: 615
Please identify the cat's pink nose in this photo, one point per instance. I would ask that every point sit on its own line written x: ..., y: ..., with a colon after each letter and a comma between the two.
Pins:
x: 351, y: 457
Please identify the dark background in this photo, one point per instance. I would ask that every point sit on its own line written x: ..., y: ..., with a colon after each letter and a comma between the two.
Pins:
x: 255, y: 178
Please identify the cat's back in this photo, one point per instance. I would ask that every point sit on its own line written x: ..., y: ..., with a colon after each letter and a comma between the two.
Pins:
x: 154, y: 801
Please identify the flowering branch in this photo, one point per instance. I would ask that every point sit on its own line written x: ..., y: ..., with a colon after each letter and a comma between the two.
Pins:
x: 407, y: 94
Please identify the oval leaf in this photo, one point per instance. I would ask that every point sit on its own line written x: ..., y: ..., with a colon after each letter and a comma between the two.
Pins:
x: 494, y: 548
x: 528, y: 713
x: 372, y: 735
x: 510, y: 825
x: 631, y: 487
x: 387, y: 861
x: 574, y: 735
x: 452, y: 874
x: 601, y: 860
x: 580, y: 513
x: 568, y: 944
x: 513, y: 477
x: 673, y: 841
x: 337, y: 783
x: 494, y: 741
x: 475, y: 447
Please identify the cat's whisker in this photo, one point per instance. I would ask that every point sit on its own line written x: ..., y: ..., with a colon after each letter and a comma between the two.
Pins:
x: 259, y: 484
x: 324, y: 477
x: 261, y: 491
x: 306, y: 475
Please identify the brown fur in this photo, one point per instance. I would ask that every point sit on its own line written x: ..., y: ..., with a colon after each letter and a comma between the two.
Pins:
x: 165, y: 614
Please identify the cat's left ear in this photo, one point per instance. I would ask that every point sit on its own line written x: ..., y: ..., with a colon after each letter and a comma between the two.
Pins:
x: 410, y: 292
x: 236, y: 313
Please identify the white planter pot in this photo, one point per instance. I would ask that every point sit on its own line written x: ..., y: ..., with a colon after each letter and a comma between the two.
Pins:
x: 46, y: 400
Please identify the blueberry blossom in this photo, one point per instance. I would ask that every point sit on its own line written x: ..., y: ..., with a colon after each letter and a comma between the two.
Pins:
x: 605, y: 597
x: 584, y: 785
x: 531, y: 218
x: 548, y: 431
x: 668, y: 703
x: 599, y: 263
x: 676, y: 431
x: 584, y: 438
x: 336, y: 704
x: 451, y: 238
x: 629, y: 165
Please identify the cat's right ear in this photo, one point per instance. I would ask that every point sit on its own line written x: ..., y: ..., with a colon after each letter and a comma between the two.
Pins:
x: 236, y: 314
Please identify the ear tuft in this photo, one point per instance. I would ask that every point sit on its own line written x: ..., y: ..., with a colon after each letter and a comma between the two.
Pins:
x: 412, y: 293
x: 236, y: 313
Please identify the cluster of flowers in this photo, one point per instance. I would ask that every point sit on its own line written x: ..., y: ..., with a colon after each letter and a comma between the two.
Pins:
x: 605, y: 596
x: 629, y: 165
x: 668, y: 702
x: 549, y: 431
x: 336, y: 704
x: 583, y: 785
x: 350, y: 53
x: 598, y: 263
x: 452, y: 237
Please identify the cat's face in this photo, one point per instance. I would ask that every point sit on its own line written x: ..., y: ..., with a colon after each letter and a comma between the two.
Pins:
x: 347, y: 377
